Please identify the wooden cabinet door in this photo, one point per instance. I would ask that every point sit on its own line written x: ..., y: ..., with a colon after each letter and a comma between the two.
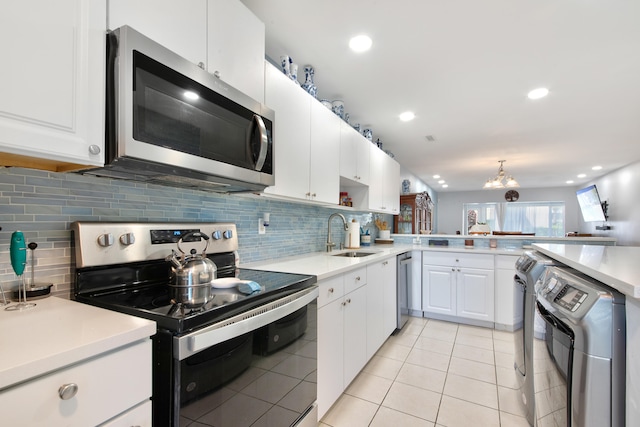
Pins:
x: 438, y: 289
x: 475, y: 298
x: 52, y: 84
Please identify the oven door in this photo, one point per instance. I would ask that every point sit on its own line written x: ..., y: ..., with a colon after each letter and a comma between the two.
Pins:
x: 260, y: 366
x: 553, y: 367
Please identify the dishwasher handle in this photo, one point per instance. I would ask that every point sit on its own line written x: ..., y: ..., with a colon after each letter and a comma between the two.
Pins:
x: 405, y: 261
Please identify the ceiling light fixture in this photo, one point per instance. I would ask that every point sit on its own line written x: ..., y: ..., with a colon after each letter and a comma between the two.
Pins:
x: 442, y: 181
x: 407, y: 116
x: 436, y: 176
x: 541, y: 92
x: 570, y: 181
x: 582, y: 175
x: 445, y: 186
x: 496, y: 182
x: 596, y: 168
x: 360, y: 43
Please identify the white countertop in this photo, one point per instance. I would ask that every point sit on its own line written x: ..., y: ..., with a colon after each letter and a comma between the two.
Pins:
x: 325, y: 264
x: 614, y: 266
x: 59, y: 332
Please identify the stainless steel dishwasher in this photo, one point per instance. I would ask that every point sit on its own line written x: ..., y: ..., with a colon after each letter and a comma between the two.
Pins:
x: 403, y: 294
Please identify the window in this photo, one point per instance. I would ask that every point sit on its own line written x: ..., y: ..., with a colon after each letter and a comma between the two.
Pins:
x: 542, y: 218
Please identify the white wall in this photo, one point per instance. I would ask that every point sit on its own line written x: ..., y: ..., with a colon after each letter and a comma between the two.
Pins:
x: 620, y: 189
x: 450, y: 214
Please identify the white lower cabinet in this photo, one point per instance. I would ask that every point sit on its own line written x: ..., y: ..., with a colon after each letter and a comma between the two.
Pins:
x: 381, y: 303
x: 458, y: 285
x: 89, y: 393
x: 341, y: 334
x: 508, y: 297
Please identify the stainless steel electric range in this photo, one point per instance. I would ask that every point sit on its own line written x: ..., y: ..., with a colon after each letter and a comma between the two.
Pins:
x: 246, y: 355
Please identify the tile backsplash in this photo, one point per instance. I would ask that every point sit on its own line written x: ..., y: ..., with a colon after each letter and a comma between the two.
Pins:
x: 42, y: 205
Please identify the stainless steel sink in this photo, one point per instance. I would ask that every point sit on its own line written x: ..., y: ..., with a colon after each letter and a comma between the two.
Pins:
x: 354, y: 254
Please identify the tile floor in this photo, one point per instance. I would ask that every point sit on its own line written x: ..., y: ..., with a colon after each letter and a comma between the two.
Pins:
x: 434, y: 373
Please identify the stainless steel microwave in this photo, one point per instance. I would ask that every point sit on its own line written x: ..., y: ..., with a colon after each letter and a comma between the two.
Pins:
x: 170, y: 122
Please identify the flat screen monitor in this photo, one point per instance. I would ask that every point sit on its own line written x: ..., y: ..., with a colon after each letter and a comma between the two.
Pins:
x: 590, y: 204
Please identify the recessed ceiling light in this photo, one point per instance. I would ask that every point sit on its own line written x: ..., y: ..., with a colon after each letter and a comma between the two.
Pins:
x: 360, y: 43
x: 436, y: 176
x: 582, y: 175
x: 442, y: 181
x: 596, y: 168
x: 407, y: 116
x: 191, y: 95
x: 570, y: 182
x: 541, y: 92
x: 445, y: 186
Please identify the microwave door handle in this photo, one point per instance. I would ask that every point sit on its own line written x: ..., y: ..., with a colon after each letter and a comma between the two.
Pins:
x: 264, y: 141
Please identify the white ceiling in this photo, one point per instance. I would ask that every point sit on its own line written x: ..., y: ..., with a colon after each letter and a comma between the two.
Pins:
x: 464, y: 67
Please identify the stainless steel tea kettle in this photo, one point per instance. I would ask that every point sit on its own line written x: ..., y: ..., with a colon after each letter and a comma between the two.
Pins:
x: 192, y: 275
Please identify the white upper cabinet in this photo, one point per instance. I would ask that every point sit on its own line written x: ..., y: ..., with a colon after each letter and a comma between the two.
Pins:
x: 354, y: 155
x: 180, y: 26
x: 52, y: 84
x: 291, y: 134
x: 306, y: 142
x: 222, y: 36
x: 236, y: 46
x: 384, y: 183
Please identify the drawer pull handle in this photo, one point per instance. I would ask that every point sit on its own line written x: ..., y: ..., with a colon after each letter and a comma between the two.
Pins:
x: 330, y: 290
x: 67, y: 391
x: 358, y: 279
x: 349, y: 301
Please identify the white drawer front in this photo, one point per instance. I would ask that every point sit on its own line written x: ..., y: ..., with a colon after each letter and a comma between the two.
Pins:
x: 138, y: 416
x: 507, y: 262
x: 330, y: 290
x: 106, y: 386
x: 354, y: 279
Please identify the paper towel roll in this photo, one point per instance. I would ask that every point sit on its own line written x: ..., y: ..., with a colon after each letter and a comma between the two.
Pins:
x: 352, y: 238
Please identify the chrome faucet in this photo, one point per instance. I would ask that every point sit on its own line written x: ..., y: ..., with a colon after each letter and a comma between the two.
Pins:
x: 330, y: 244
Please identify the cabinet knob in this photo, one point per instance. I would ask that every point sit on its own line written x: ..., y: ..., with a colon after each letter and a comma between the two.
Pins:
x: 67, y: 391
x: 458, y: 269
x: 358, y: 279
x: 349, y: 301
x: 457, y: 260
x: 385, y: 263
x: 313, y: 195
x: 453, y: 269
x: 94, y: 149
x: 216, y: 73
x: 330, y: 290
x: 201, y: 64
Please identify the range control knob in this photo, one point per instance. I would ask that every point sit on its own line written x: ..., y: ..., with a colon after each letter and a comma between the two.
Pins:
x: 228, y: 234
x: 216, y: 235
x: 127, y: 239
x: 105, y: 240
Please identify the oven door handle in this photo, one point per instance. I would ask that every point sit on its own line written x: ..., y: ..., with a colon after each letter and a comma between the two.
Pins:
x: 227, y: 329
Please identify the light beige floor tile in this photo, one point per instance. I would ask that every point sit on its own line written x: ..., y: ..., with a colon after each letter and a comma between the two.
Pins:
x: 510, y: 420
x: 507, y: 377
x: 439, y: 334
x: 459, y: 413
x: 394, y: 351
x: 321, y: 424
x: 386, y: 417
x: 383, y: 367
x: 475, y: 330
x: 428, y: 359
x: 485, y: 343
x: 472, y: 369
x: 501, y: 346
x: 405, y: 340
x: 349, y: 411
x: 505, y: 360
x: 413, y: 320
x: 369, y: 387
x: 411, y: 329
x: 441, y: 324
x: 473, y: 353
x: 434, y: 345
x: 419, y: 376
x: 511, y: 402
x: 413, y: 401
x: 504, y: 335
x: 471, y: 390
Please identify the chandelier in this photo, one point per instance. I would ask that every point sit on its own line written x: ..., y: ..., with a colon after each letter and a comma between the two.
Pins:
x: 497, y: 181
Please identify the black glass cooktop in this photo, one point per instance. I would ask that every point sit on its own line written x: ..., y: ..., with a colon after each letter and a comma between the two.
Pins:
x: 153, y: 300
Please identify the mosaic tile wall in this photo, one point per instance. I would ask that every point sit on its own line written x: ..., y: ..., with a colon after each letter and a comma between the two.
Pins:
x: 43, y: 204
